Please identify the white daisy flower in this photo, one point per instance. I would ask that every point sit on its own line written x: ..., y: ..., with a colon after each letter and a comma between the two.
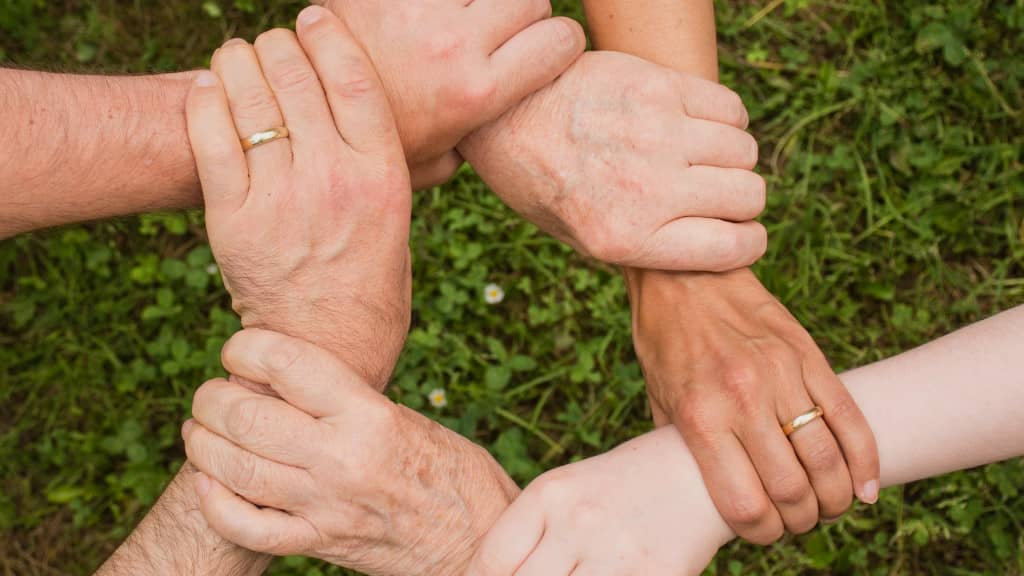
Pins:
x: 493, y: 294
x: 438, y: 398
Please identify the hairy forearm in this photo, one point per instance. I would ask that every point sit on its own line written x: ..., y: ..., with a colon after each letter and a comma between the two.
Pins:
x: 174, y: 538
x: 88, y: 147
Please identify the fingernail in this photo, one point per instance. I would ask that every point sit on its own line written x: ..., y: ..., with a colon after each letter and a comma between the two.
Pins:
x: 187, y: 426
x: 233, y: 42
x: 869, y: 493
x: 206, y: 79
x: 310, y: 15
x: 827, y: 521
x: 202, y: 484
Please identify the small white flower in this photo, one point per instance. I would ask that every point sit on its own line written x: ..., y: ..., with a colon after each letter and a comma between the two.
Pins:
x: 438, y: 398
x: 212, y: 270
x: 493, y: 294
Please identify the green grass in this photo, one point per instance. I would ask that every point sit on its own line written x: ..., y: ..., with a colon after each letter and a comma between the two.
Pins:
x: 892, y: 141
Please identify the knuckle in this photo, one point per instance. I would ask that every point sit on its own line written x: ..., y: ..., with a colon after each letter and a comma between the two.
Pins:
x: 272, y: 542
x: 727, y: 250
x: 256, y: 103
x: 358, y: 82
x: 837, y: 505
x: 293, y: 76
x: 697, y: 422
x: 554, y: 487
x: 446, y: 46
x: 740, y: 382
x: 244, y: 475
x: 653, y: 88
x: 844, y: 412
x: 790, y: 489
x: 242, y: 419
x: 748, y: 510
x: 382, y: 417
x: 475, y: 94
x: 282, y: 355
x: 823, y: 454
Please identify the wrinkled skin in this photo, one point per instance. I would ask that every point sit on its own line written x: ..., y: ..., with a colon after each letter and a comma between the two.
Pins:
x: 631, y: 163
x: 344, y: 474
x: 312, y: 235
x: 729, y: 365
x: 451, y: 66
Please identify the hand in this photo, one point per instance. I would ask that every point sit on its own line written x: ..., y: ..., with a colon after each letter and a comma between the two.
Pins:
x: 451, y: 66
x: 632, y: 164
x: 310, y: 232
x: 728, y: 364
x: 343, y: 473
x: 638, y: 509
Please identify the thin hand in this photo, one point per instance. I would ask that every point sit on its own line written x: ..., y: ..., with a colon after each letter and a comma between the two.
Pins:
x: 343, y: 473
x: 451, y: 66
x: 729, y: 366
x: 638, y: 509
x: 311, y: 231
x: 631, y: 163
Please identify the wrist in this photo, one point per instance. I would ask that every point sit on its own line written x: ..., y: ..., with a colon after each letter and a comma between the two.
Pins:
x: 101, y: 146
x: 174, y: 538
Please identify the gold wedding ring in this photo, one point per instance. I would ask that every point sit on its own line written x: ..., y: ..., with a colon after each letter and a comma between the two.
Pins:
x: 265, y: 137
x: 802, y: 420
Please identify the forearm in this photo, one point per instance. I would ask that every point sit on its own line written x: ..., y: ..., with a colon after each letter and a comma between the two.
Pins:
x: 87, y: 147
x: 954, y: 403
x: 174, y: 538
x: 678, y: 34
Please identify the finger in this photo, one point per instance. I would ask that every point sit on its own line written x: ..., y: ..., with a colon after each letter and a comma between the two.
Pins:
x: 782, y: 475
x: 716, y: 144
x: 258, y: 480
x: 702, y: 244
x: 734, y: 486
x: 258, y: 529
x: 709, y: 100
x: 297, y: 90
x: 223, y: 172
x: 850, y: 428
x: 511, y: 540
x: 552, y: 557
x: 263, y: 425
x: 496, y: 21
x: 722, y: 193
x: 819, y: 452
x: 306, y: 376
x: 435, y: 172
x: 253, y: 107
x: 531, y: 60
x: 359, y: 105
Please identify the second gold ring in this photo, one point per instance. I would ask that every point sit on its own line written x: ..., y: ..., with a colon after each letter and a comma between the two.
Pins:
x: 264, y: 137
x: 802, y: 420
